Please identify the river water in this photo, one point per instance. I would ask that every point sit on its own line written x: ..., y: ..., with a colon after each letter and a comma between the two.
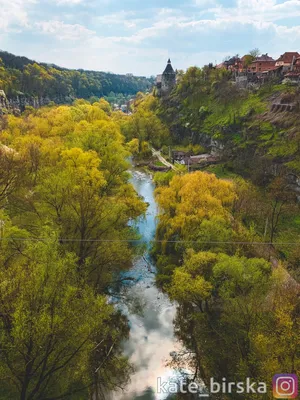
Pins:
x: 151, y: 334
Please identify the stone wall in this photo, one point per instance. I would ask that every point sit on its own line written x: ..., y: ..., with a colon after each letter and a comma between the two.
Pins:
x: 167, y: 83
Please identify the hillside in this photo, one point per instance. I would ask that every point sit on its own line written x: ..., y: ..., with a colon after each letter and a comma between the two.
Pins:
x: 253, y: 137
x: 20, y: 75
x: 254, y: 131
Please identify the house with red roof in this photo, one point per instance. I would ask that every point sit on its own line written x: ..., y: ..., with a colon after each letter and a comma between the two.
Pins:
x: 262, y: 64
x: 237, y: 64
x: 220, y: 66
x: 296, y: 65
x: 287, y: 59
x: 232, y: 63
x: 293, y: 75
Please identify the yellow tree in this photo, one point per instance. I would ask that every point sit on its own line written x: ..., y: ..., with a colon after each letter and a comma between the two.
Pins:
x: 191, y: 199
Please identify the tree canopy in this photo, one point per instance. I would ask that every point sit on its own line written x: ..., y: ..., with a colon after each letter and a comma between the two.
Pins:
x: 19, y: 75
x: 66, y: 208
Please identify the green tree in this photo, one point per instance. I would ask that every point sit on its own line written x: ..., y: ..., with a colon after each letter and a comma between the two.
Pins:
x: 66, y: 188
x: 55, y: 333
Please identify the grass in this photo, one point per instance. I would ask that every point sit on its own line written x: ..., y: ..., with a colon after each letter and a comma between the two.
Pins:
x: 290, y: 222
x: 180, y: 148
x: 221, y: 172
x: 159, y: 164
x: 195, y: 149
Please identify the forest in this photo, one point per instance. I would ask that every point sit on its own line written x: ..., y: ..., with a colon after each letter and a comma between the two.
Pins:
x: 66, y: 204
x: 21, y: 76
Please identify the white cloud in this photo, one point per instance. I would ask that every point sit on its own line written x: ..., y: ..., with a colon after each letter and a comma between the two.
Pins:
x: 64, y: 31
x: 125, y: 18
x: 169, y: 23
x: 253, y: 11
x: 159, y: 27
x: 247, y: 12
x: 14, y: 14
x: 262, y: 15
x: 136, y: 38
x: 69, y: 2
x: 205, y: 3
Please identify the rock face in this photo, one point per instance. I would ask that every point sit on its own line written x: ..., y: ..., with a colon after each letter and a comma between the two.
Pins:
x: 279, y: 107
x: 16, y: 105
x: 216, y: 147
x: 243, y: 160
x: 4, y: 106
x: 294, y: 184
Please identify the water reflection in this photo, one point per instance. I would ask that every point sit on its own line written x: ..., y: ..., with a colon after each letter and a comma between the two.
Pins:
x: 152, y: 334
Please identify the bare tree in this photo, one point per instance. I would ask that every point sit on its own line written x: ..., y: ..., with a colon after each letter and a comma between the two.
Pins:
x: 255, y: 52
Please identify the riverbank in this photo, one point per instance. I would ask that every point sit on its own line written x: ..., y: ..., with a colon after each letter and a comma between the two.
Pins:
x: 151, y: 339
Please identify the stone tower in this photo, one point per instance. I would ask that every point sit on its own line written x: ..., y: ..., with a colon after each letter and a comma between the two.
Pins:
x: 166, y: 82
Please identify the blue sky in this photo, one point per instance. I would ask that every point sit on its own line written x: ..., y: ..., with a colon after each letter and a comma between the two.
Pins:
x: 138, y: 36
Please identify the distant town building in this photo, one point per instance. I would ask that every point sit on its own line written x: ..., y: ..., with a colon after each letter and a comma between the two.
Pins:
x: 293, y: 75
x: 296, y: 65
x: 232, y: 63
x: 248, y: 71
x: 237, y: 64
x: 287, y: 59
x: 220, y: 66
x: 166, y: 82
x: 180, y: 156
x: 274, y: 72
x: 262, y: 63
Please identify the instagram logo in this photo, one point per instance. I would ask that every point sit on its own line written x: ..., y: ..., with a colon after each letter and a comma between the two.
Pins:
x: 285, y: 386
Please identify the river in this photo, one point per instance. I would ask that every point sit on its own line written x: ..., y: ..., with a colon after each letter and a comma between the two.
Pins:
x: 151, y: 334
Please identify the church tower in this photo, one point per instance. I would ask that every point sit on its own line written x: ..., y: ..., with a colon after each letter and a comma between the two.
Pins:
x: 166, y: 82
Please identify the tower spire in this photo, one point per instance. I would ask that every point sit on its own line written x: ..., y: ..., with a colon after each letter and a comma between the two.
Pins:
x: 166, y: 81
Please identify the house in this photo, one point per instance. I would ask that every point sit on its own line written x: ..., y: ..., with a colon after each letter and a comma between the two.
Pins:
x: 296, y: 65
x: 242, y: 64
x: 274, y: 72
x: 220, y: 66
x: 166, y: 82
x: 179, y: 156
x: 124, y: 108
x: 287, y: 59
x: 262, y: 63
x: 232, y: 64
x: 201, y: 160
x: 158, y: 82
x: 235, y: 64
x: 293, y: 75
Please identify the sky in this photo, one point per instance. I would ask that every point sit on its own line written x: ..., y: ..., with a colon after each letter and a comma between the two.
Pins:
x: 138, y: 36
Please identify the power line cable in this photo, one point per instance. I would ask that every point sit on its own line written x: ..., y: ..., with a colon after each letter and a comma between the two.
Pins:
x: 141, y: 240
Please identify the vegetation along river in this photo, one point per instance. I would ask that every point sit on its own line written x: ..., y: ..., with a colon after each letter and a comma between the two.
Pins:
x: 152, y: 333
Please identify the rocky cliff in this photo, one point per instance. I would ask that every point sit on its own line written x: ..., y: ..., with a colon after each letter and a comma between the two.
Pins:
x: 257, y: 137
x: 16, y: 105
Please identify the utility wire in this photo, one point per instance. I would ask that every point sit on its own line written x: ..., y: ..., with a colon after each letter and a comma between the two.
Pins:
x: 141, y: 240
